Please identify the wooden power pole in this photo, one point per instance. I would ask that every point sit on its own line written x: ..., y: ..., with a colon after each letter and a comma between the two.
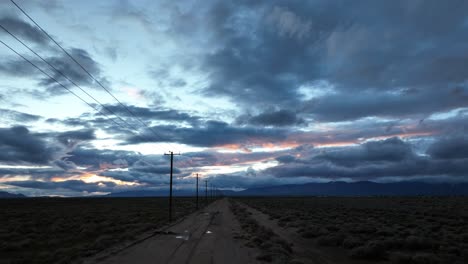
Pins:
x: 197, y: 191
x: 170, y: 188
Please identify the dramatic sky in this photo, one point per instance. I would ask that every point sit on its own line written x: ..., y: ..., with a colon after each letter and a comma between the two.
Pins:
x: 251, y: 93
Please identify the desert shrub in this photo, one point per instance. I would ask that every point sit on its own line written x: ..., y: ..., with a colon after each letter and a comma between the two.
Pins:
x: 265, y: 257
x: 287, y: 218
x: 331, y: 240
x: 315, y: 231
x: 418, y: 243
x: 283, y: 244
x: 266, y: 245
x: 294, y: 224
x: 419, y: 258
x: 295, y: 261
x: 352, y: 242
x: 363, y: 229
x: 393, y: 242
x: 385, y: 232
x: 332, y: 228
x: 464, y: 238
x: 373, y: 250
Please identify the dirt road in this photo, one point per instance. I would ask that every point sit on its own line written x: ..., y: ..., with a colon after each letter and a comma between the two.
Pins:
x: 205, y: 237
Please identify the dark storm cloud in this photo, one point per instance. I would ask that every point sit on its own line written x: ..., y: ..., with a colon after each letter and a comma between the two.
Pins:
x: 450, y: 147
x: 70, y: 138
x: 18, y: 145
x: 36, y: 173
x: 412, y: 168
x: 258, y: 63
x: 151, y: 114
x: 73, y: 71
x: 152, y: 170
x: 146, y: 178
x: 400, y: 44
x: 65, y: 165
x: 273, y: 118
x: 19, y: 68
x: 23, y: 30
x: 69, y: 121
x: 95, y: 158
x: 18, y: 116
x: 74, y: 185
x: 155, y: 169
x: 213, y: 133
x: 214, y: 158
x: 374, y: 160
x: 369, y: 51
x: 399, y: 104
x: 389, y: 150
x: 88, y: 120
x: 286, y: 159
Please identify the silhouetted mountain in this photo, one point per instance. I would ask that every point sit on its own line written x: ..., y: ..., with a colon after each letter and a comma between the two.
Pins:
x: 11, y: 195
x: 364, y: 188
x: 152, y: 193
x: 229, y: 192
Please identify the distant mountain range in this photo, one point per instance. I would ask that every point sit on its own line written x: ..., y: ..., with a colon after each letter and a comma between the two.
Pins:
x: 11, y: 195
x: 363, y: 188
x: 152, y: 193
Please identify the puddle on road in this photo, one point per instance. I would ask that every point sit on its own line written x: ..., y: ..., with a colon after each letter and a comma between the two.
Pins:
x: 185, y: 236
x: 209, y: 232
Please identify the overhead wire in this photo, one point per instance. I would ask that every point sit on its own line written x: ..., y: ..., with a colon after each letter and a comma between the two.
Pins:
x: 66, y: 77
x: 87, y: 72
x: 99, y: 83
x: 70, y: 91
x: 96, y: 81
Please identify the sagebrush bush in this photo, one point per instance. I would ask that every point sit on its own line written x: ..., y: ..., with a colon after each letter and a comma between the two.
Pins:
x: 372, y: 250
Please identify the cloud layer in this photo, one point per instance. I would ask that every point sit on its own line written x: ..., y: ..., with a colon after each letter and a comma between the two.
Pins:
x: 254, y: 92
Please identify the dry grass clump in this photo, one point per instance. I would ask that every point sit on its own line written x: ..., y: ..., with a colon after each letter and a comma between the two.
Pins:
x: 372, y: 250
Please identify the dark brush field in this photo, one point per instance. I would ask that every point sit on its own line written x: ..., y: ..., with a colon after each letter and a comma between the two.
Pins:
x: 64, y: 230
x: 369, y: 229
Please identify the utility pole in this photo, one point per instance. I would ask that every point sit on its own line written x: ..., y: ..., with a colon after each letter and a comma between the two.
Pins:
x: 170, y: 188
x: 197, y: 191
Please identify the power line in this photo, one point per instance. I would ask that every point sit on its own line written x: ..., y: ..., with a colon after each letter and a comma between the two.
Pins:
x: 61, y: 73
x: 71, y: 81
x: 84, y: 69
x: 97, y: 81
x: 70, y: 91
x: 55, y: 80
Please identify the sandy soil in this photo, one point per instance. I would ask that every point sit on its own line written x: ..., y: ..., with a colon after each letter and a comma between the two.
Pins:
x: 206, y: 236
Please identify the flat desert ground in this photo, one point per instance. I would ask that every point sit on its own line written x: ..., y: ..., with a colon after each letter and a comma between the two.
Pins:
x: 235, y: 230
